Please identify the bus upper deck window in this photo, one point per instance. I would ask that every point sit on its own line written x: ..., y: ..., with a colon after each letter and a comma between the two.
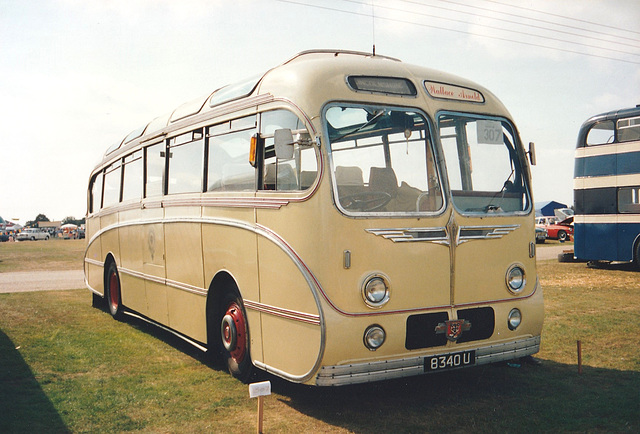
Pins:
x: 601, y: 133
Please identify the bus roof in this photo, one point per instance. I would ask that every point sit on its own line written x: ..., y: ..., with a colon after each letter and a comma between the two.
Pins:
x: 300, y: 75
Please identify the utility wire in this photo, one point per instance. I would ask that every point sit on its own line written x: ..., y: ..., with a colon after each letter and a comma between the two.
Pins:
x: 540, y: 20
x: 562, y: 16
x: 551, y: 38
x: 458, y: 31
x: 520, y: 23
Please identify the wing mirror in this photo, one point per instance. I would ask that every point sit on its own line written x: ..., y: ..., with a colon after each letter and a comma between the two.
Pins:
x: 532, y: 153
x: 284, y: 140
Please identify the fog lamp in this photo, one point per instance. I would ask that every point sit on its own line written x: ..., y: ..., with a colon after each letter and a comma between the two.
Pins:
x: 514, y: 319
x: 374, y: 337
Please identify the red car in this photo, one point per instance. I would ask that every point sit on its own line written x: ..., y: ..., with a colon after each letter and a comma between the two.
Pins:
x: 561, y: 230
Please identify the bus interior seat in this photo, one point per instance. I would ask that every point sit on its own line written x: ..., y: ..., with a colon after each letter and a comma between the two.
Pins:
x: 383, y: 179
x: 349, y: 180
x: 235, y: 178
x: 286, y: 177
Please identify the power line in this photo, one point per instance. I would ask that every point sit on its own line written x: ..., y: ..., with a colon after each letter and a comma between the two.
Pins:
x: 500, y: 28
x: 562, y: 16
x: 540, y: 20
x: 519, y: 23
x: 458, y: 31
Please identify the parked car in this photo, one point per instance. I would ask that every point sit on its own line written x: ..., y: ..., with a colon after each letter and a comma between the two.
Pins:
x: 560, y: 231
x: 541, y: 234
x: 4, y: 237
x: 545, y: 220
x: 32, y: 234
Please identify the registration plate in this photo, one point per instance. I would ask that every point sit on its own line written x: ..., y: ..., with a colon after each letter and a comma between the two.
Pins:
x: 449, y: 361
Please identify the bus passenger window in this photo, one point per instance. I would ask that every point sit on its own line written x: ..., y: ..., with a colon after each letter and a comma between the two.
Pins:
x: 154, y: 160
x: 297, y: 173
x: 186, y: 156
x: 96, y: 193
x: 600, y: 134
x: 111, y: 195
x: 228, y: 165
x: 629, y: 129
x: 132, y: 177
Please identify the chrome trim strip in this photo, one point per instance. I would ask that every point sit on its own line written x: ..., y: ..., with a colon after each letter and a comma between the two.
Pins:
x: 436, y: 235
x: 283, y: 313
x: 94, y: 262
x: 441, y: 235
x: 387, y: 369
x: 468, y: 233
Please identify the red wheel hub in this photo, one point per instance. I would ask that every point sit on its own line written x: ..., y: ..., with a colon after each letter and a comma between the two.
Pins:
x: 114, y: 289
x: 234, y: 336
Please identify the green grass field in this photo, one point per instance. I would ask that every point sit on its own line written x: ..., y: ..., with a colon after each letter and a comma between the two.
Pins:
x: 67, y: 367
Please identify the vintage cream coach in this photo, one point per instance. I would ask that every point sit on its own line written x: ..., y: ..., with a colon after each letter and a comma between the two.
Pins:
x: 342, y: 218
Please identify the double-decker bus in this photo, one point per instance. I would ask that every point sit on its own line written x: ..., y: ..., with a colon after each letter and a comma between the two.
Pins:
x: 607, y: 188
x: 342, y: 218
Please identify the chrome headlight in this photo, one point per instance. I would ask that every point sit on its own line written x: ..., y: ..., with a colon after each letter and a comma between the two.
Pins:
x: 515, y: 277
x: 375, y: 291
x: 374, y: 337
x: 514, y: 319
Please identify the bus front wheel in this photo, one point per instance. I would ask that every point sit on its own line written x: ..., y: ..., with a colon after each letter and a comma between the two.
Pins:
x: 234, y: 335
x: 113, y: 294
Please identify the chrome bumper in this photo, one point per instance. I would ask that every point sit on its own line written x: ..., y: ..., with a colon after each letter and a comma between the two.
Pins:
x: 376, y: 371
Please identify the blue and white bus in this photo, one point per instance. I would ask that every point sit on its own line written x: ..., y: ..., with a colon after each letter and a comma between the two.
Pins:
x: 607, y: 187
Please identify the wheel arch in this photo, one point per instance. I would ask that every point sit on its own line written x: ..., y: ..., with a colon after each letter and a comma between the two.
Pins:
x: 222, y: 283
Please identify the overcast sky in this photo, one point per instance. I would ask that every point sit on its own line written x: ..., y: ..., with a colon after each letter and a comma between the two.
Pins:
x: 77, y: 75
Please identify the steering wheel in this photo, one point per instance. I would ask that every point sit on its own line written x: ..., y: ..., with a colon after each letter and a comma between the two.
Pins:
x: 368, y: 201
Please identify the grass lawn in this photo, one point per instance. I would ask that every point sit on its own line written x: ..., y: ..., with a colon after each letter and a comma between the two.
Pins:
x: 66, y: 367
x: 53, y: 254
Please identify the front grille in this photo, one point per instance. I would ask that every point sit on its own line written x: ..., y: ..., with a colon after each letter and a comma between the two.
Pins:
x: 482, y: 321
x: 421, y: 331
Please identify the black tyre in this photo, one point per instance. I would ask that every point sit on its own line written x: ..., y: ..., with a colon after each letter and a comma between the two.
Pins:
x: 562, y: 235
x: 113, y: 293
x: 636, y: 257
x: 234, y: 337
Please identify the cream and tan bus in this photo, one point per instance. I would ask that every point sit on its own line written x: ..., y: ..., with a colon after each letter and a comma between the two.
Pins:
x: 342, y: 218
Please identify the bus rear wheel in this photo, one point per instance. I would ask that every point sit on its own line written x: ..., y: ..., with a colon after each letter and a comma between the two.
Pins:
x: 113, y: 294
x: 234, y: 336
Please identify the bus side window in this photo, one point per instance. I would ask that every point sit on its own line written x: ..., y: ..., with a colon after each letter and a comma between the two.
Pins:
x: 154, y: 163
x: 132, y: 176
x: 111, y: 194
x: 186, y: 156
x: 629, y: 129
x: 96, y: 193
x: 228, y: 167
x: 295, y: 174
x: 601, y: 133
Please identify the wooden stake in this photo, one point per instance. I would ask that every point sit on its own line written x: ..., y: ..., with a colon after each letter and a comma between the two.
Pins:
x: 260, y: 412
x: 579, y: 357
